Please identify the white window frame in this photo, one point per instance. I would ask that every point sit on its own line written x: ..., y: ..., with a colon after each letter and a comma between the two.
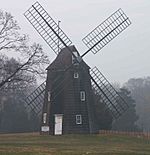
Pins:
x: 82, y: 95
x: 44, y: 117
x: 76, y: 75
x: 49, y: 96
x: 78, y: 119
x: 73, y: 58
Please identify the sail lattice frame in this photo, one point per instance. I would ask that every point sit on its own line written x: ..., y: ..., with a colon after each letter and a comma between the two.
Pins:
x: 111, y: 98
x: 47, y: 28
x: 34, y: 102
x: 106, y: 31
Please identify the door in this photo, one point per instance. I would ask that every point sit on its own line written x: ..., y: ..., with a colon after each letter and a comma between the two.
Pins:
x: 58, y: 124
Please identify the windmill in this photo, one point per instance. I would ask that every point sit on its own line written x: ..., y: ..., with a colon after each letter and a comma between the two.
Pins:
x: 66, y: 98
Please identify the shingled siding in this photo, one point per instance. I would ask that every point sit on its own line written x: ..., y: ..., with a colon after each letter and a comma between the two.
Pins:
x: 57, y: 97
x: 73, y: 106
x: 66, y: 100
x: 93, y: 122
x: 86, y: 85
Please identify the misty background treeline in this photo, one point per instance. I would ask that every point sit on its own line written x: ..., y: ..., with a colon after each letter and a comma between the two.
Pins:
x: 23, y: 62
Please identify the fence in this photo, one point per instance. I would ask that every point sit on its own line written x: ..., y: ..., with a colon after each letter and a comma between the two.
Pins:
x: 134, y: 134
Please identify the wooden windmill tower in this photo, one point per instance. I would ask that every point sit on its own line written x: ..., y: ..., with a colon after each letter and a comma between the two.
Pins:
x: 67, y: 97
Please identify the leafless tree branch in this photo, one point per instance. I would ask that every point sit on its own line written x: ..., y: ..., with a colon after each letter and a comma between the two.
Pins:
x: 32, y: 57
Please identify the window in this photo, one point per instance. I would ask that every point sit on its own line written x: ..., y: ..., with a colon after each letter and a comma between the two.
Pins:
x: 78, y: 119
x: 74, y: 59
x: 76, y: 75
x: 44, y: 117
x: 82, y: 95
x: 49, y: 96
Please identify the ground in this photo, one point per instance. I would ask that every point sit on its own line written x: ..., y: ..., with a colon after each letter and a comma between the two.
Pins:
x: 34, y: 144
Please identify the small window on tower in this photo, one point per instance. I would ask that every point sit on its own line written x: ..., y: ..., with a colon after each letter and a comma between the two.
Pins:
x: 44, y: 117
x: 74, y: 61
x: 49, y: 96
x: 76, y: 75
x: 78, y: 119
x: 82, y: 95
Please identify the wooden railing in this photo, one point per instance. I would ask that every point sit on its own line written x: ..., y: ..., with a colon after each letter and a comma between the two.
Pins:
x: 134, y: 134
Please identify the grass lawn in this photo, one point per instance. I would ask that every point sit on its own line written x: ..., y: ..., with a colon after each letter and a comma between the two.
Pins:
x: 34, y: 144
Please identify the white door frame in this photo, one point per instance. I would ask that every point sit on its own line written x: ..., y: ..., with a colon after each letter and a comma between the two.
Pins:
x: 58, y: 118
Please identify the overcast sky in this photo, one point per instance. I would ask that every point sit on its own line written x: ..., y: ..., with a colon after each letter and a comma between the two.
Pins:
x: 127, y: 56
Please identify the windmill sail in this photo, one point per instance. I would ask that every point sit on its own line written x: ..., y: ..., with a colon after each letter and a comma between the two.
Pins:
x: 47, y: 95
x: 34, y: 102
x: 47, y: 27
x: 113, y: 101
x: 106, y: 31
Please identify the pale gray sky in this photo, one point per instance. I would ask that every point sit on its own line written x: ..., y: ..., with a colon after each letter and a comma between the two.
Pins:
x: 125, y: 57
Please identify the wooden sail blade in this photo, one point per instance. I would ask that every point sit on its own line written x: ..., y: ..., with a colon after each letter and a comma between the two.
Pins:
x: 47, y: 27
x: 111, y: 98
x: 106, y: 31
x: 34, y: 102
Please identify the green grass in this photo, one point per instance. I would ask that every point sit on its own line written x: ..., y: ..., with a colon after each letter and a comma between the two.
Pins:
x: 34, y: 144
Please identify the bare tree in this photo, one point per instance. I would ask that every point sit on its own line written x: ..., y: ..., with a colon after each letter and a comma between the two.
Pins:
x: 10, y: 38
x: 31, y: 59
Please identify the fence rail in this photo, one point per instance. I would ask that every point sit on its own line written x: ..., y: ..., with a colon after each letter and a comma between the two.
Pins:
x: 134, y: 134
